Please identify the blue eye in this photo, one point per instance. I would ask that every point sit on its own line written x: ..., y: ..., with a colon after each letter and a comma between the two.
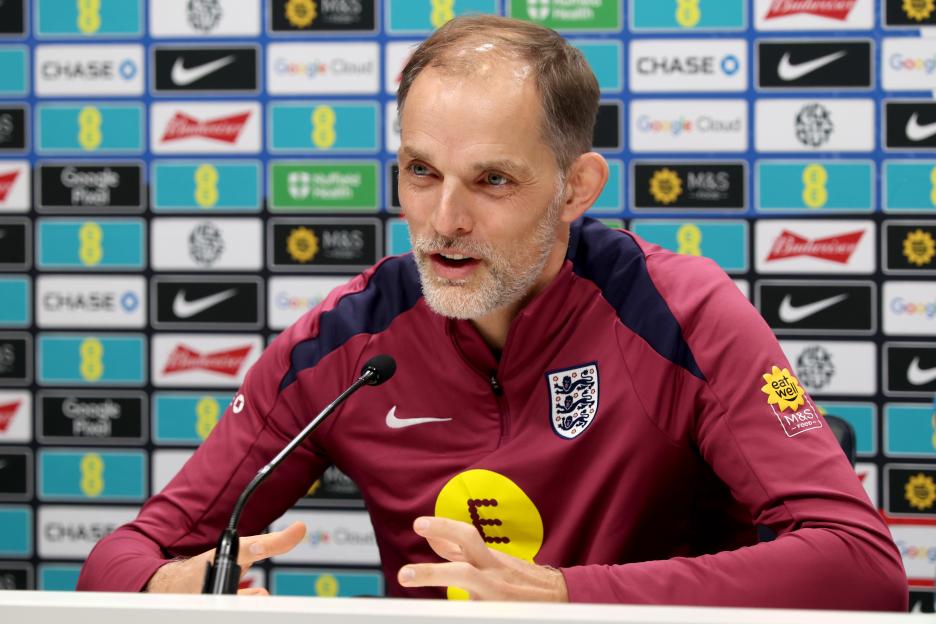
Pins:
x: 496, y: 179
x: 418, y: 169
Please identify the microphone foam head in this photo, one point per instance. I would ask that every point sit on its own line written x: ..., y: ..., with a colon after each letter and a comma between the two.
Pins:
x: 381, y: 367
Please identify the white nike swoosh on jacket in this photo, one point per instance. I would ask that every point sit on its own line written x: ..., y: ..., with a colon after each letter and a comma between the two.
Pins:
x: 399, y: 423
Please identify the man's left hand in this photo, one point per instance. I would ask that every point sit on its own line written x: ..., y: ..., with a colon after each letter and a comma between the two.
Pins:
x: 486, y: 574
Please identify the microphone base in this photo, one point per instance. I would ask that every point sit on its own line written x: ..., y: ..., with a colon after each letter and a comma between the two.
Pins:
x: 223, y: 576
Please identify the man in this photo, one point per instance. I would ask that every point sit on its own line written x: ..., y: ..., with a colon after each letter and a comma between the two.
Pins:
x: 576, y: 415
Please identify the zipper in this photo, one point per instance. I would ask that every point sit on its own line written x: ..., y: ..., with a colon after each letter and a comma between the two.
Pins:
x: 502, y: 407
x: 495, y: 386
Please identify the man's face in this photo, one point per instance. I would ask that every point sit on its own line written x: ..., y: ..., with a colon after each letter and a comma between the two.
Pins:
x: 479, y: 188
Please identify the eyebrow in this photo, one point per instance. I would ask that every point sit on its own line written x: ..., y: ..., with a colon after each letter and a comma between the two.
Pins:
x: 502, y: 164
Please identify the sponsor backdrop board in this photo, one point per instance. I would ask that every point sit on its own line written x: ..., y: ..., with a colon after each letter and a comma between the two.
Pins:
x: 180, y: 180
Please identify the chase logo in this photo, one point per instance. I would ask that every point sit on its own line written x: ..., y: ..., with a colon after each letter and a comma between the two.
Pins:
x: 909, y: 430
x: 14, y: 80
x: 186, y: 418
x: 326, y: 583
x: 89, y: 18
x: 909, y: 186
x: 106, y: 244
x: 91, y: 474
x: 604, y: 58
x: 811, y: 186
x: 89, y: 70
x: 15, y: 295
x: 407, y: 16
x: 725, y: 242
x: 317, y: 186
x: 64, y: 359
x: 220, y: 186
x: 323, y: 127
x: 92, y: 128
x: 72, y: 301
x: 681, y: 15
x: 15, y: 531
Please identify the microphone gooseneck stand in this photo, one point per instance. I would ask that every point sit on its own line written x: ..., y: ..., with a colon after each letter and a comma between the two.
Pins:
x: 223, y: 576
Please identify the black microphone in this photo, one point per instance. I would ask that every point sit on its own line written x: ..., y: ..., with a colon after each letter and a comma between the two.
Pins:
x: 223, y: 576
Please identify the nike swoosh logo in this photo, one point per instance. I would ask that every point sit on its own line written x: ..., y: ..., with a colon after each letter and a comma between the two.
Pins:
x: 918, y: 376
x: 399, y: 423
x: 793, y: 314
x: 184, y: 308
x: 788, y: 71
x: 182, y: 75
x: 916, y: 132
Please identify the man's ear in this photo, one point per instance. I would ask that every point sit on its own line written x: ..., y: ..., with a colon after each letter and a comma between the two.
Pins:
x: 587, y: 177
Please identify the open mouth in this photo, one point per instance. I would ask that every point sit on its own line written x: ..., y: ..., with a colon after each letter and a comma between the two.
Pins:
x: 453, y: 265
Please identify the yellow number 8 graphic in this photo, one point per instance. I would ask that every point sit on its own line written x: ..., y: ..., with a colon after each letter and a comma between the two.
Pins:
x: 326, y: 586
x: 323, y: 126
x: 442, y: 11
x: 92, y: 363
x: 933, y: 186
x: 207, y: 411
x: 89, y: 16
x: 90, y: 251
x: 89, y: 128
x: 689, y: 237
x: 815, y: 194
x: 688, y: 13
x: 206, y: 186
x: 92, y: 475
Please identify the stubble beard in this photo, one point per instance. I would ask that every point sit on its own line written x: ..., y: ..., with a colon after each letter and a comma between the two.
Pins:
x: 503, y: 277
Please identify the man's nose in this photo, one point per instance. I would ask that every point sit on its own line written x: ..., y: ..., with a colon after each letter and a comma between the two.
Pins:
x: 452, y: 215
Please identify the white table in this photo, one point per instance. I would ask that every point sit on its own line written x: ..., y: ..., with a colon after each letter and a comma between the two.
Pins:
x: 36, y: 607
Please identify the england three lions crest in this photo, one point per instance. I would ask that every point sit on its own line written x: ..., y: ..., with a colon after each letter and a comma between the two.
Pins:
x: 573, y: 399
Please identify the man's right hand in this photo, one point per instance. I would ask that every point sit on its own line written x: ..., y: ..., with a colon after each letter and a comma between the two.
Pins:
x: 187, y: 576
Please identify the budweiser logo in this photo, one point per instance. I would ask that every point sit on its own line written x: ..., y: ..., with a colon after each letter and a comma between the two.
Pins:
x: 6, y: 414
x: 834, y: 248
x: 224, y: 129
x: 6, y: 183
x: 834, y: 9
x: 223, y: 362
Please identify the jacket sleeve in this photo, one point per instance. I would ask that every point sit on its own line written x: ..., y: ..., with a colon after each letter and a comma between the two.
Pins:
x: 763, y: 437
x: 186, y: 517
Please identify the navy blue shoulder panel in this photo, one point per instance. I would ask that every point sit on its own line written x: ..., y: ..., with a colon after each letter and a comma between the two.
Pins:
x: 393, y: 289
x: 614, y: 262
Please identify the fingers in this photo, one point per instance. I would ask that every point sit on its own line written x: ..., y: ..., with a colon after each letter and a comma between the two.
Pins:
x: 257, y: 547
x: 470, y: 546
x: 456, y: 573
x: 446, y: 549
x: 253, y: 591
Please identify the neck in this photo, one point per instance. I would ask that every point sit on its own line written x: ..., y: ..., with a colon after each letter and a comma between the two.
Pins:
x: 495, y: 325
